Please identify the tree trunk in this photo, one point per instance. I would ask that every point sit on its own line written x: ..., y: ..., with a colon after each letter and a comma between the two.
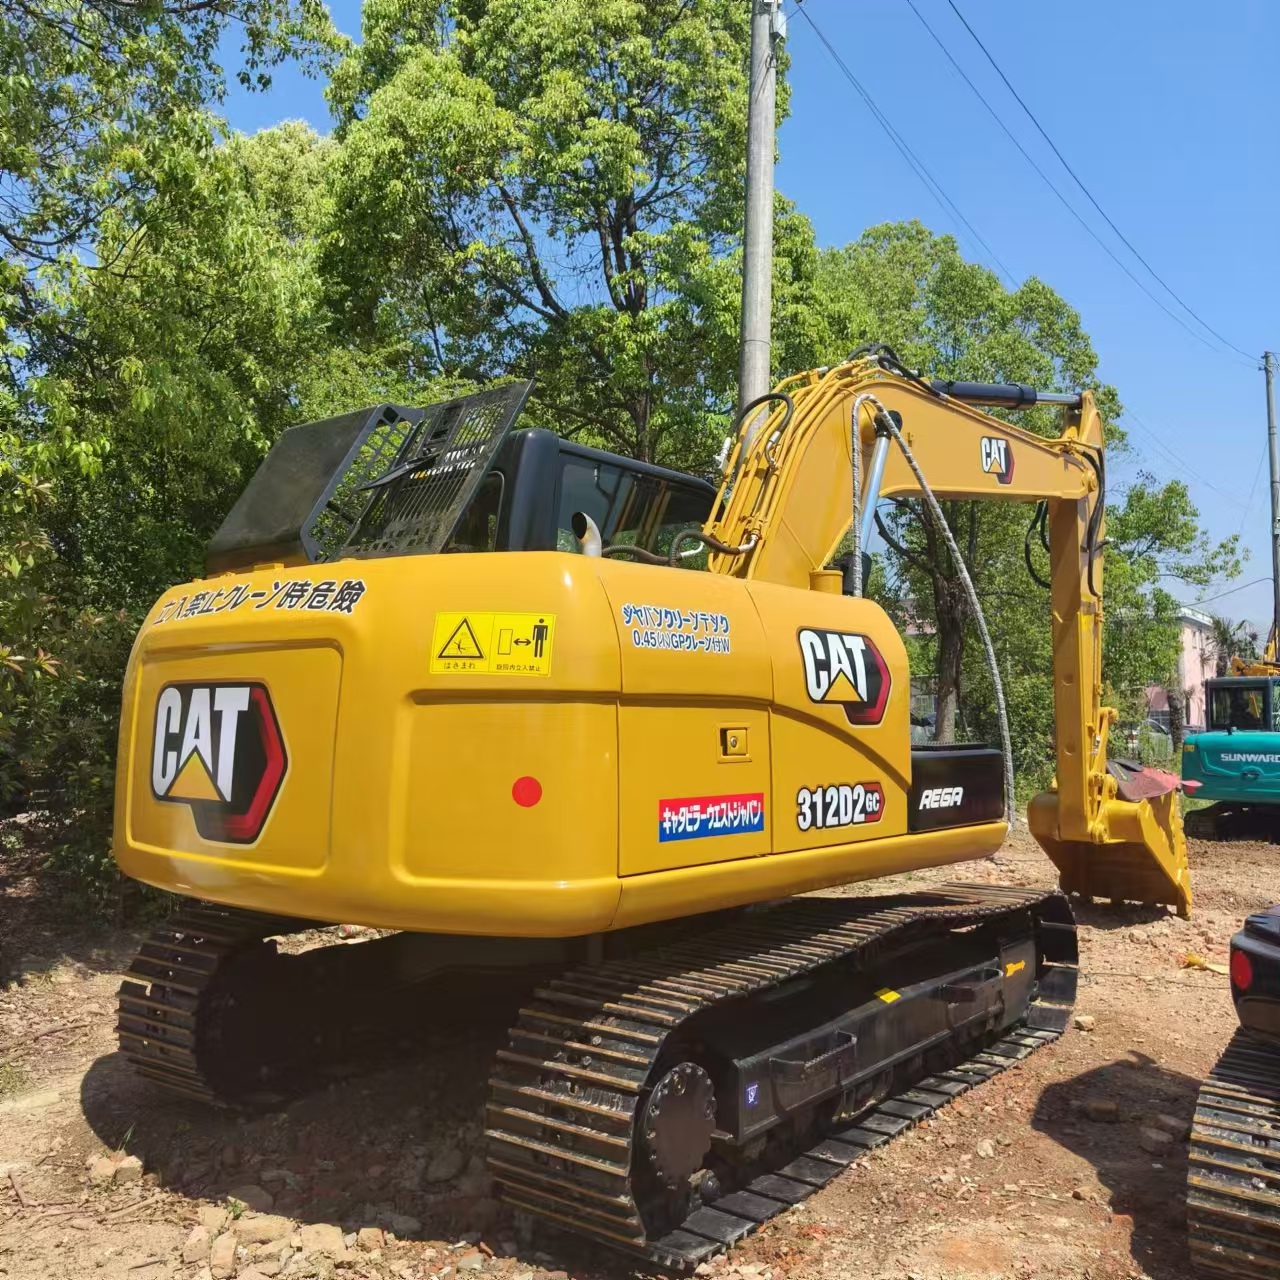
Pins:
x: 950, y: 613
x: 1177, y: 717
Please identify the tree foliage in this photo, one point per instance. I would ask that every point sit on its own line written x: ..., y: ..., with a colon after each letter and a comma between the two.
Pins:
x: 556, y: 190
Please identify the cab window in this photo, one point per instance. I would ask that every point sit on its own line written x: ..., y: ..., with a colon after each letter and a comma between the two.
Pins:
x: 477, y: 528
x: 629, y: 507
x: 1239, y: 706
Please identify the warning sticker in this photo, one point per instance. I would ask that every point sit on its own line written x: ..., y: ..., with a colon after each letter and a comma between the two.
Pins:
x: 493, y: 644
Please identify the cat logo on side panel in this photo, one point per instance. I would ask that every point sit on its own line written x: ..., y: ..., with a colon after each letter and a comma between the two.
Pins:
x: 997, y: 458
x: 846, y: 668
x: 218, y: 749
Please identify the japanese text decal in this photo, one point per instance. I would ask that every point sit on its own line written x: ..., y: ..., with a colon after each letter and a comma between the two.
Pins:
x: 652, y: 626
x: 327, y: 596
x: 698, y: 816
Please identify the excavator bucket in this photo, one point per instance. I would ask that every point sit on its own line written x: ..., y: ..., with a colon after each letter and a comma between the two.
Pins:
x: 1137, y: 852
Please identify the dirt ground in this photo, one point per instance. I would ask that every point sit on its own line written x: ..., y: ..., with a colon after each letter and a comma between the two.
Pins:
x: 1014, y: 1180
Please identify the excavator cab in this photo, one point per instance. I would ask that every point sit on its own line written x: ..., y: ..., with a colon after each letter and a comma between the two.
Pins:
x: 455, y: 478
x: 1242, y: 703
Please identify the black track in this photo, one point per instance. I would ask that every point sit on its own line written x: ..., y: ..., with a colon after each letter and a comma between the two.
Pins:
x: 589, y: 1047
x: 1233, y: 1171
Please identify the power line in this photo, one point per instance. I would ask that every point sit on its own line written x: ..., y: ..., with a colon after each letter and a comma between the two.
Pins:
x: 1066, y: 204
x: 1188, y: 471
x: 1053, y: 146
x: 917, y: 165
x: 1221, y: 594
x: 1252, y: 489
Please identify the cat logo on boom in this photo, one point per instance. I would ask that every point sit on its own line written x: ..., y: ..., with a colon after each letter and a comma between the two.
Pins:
x: 997, y: 458
x: 846, y: 668
x: 218, y: 749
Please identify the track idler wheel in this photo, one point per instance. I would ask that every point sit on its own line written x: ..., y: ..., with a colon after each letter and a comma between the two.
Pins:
x: 674, y: 1128
x: 678, y: 1122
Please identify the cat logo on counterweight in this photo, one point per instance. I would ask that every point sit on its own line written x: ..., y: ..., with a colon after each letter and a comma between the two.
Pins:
x: 997, y: 458
x: 846, y: 668
x: 218, y: 749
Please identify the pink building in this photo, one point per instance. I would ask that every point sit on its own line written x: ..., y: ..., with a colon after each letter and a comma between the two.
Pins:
x: 1196, y: 664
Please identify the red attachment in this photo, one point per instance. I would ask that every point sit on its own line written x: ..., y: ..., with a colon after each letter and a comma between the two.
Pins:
x: 1241, y: 971
x: 1136, y: 782
x: 1192, y: 785
x: 526, y: 792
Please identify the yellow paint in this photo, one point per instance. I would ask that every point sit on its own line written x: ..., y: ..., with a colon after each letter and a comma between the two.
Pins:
x: 500, y: 644
x: 841, y: 690
x: 406, y: 736
x: 1016, y: 967
x: 888, y: 996
x: 193, y: 781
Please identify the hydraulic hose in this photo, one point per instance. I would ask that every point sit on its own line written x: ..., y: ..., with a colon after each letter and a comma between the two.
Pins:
x: 1002, y: 712
x: 1037, y: 522
x: 696, y: 535
x: 640, y: 553
x: 1099, y: 466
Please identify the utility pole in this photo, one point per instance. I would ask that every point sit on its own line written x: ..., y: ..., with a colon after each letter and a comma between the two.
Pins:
x: 767, y: 29
x: 1268, y: 366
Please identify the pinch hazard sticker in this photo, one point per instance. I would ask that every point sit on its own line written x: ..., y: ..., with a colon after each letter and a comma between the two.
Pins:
x: 493, y: 644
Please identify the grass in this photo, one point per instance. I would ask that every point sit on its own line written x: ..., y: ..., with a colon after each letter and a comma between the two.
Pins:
x: 13, y: 1079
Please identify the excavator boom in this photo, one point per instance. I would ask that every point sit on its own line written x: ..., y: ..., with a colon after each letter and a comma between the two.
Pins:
x: 1109, y: 835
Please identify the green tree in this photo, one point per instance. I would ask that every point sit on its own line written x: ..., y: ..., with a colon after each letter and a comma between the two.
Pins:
x: 1231, y: 639
x: 554, y: 188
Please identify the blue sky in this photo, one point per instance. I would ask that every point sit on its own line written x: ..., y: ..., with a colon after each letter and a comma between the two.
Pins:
x: 1167, y: 112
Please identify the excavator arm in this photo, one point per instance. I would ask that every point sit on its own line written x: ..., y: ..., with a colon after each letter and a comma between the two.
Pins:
x: 782, y: 517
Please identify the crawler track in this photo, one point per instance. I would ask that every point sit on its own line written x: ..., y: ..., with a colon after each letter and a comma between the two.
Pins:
x: 1233, y: 1172
x: 567, y: 1095
x: 165, y: 996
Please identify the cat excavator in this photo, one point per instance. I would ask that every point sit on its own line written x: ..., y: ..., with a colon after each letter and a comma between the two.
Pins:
x: 516, y: 703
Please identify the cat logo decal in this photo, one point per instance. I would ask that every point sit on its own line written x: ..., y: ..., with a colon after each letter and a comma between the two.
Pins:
x: 997, y: 458
x: 218, y: 749
x: 846, y: 668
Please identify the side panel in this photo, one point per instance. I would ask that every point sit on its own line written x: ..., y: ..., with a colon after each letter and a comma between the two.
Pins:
x: 506, y: 791
x: 842, y: 753
x: 1244, y: 767
x: 695, y: 673
x: 193, y: 722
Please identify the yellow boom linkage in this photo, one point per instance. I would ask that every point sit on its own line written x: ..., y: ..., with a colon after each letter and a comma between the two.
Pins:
x: 778, y: 504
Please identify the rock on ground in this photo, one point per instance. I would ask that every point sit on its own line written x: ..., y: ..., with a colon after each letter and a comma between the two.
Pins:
x: 253, y: 1197
x: 197, y: 1246
x: 222, y: 1257
x: 325, y: 1238
x: 262, y: 1228
x: 446, y: 1166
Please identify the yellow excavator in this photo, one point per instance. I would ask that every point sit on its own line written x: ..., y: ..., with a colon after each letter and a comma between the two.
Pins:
x: 533, y: 706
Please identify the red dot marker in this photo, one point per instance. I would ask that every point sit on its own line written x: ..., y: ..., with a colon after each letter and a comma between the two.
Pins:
x: 526, y: 792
